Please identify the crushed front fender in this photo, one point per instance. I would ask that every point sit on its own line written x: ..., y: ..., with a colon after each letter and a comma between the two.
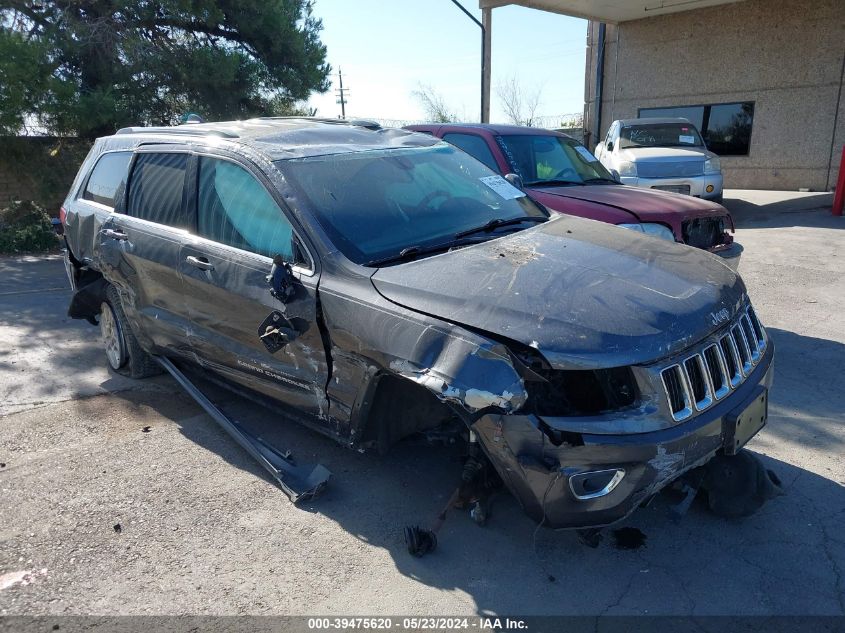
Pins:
x: 540, y: 473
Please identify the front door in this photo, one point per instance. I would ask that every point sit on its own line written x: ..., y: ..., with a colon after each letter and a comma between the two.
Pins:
x: 239, y: 329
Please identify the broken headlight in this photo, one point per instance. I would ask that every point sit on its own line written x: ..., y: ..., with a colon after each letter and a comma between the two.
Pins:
x: 582, y: 392
x: 651, y: 228
x: 573, y: 392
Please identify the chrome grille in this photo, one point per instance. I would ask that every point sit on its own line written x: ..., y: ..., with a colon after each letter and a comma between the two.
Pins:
x: 717, y: 371
x: 673, y: 380
x: 670, y: 168
x: 742, y: 348
x: 712, y: 373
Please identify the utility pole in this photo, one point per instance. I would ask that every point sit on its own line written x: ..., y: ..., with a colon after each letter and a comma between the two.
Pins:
x: 341, y: 94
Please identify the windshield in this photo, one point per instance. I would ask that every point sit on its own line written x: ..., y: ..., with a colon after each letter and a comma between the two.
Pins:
x: 660, y: 135
x: 377, y: 204
x: 540, y: 159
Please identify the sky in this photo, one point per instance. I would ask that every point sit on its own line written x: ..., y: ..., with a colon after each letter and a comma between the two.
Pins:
x: 387, y: 49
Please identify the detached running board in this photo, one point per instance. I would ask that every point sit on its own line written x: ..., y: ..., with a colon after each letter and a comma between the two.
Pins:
x: 299, y: 483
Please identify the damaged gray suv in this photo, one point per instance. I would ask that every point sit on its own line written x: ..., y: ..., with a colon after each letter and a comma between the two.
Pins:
x: 382, y: 283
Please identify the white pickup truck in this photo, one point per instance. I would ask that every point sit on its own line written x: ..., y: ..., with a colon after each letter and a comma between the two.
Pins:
x: 666, y: 153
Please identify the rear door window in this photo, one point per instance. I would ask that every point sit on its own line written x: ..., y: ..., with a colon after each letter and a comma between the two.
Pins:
x: 475, y: 146
x: 157, y: 188
x: 107, y: 181
x: 235, y: 209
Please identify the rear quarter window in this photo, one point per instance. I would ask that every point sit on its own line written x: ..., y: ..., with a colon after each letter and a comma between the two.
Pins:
x: 157, y: 187
x: 475, y: 146
x: 107, y: 181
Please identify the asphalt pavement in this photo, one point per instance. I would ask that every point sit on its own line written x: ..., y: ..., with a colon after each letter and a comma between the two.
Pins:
x: 123, y: 497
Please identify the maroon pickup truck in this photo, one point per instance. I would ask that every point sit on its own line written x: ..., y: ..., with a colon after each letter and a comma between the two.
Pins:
x: 562, y: 174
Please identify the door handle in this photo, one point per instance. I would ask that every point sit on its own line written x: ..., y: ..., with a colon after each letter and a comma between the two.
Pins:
x: 199, y: 262
x: 115, y: 235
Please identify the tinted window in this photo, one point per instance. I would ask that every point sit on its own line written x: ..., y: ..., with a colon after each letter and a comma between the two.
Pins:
x: 108, y: 179
x: 155, y: 191
x: 475, y: 146
x: 377, y: 203
x: 538, y: 159
x: 726, y: 127
x: 235, y: 209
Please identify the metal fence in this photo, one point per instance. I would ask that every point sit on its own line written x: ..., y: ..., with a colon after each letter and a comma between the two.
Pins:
x: 552, y: 121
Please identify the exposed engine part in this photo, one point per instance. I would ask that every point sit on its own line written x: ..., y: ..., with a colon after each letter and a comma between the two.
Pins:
x: 688, y: 486
x: 421, y: 541
x: 479, y: 481
x: 738, y: 485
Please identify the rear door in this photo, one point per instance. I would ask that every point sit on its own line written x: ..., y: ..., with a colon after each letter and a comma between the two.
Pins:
x: 139, y: 248
x: 239, y: 329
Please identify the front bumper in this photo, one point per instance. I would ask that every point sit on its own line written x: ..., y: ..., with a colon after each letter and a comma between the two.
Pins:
x: 731, y: 255
x: 697, y: 185
x: 538, y: 473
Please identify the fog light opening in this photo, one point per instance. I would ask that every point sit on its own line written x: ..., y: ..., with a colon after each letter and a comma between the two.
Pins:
x: 709, y: 188
x: 594, y: 484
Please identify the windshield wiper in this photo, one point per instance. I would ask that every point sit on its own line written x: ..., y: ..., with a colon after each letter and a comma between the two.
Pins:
x: 497, y: 222
x: 610, y: 180
x: 541, y: 183
x: 411, y: 252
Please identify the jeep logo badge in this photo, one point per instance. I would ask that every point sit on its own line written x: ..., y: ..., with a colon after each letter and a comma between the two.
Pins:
x: 720, y: 317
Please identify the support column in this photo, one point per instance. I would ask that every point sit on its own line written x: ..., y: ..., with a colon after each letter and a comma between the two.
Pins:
x: 486, y: 48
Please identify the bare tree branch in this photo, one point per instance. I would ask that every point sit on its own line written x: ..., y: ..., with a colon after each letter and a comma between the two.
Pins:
x: 520, y: 105
x: 434, y: 105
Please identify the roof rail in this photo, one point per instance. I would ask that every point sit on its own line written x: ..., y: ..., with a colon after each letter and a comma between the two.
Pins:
x: 190, y: 130
x: 229, y: 129
x: 367, y: 123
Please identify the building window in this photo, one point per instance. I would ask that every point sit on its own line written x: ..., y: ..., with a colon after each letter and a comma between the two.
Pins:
x: 726, y: 127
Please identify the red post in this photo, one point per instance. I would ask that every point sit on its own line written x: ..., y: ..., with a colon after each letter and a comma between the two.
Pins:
x: 839, y: 198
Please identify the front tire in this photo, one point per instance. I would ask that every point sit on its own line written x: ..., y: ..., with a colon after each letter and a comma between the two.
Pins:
x: 123, y: 352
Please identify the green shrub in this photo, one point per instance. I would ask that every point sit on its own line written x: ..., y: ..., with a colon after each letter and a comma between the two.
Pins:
x: 25, y: 228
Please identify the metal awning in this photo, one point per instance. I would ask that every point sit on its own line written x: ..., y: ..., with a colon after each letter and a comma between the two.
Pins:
x: 611, y: 11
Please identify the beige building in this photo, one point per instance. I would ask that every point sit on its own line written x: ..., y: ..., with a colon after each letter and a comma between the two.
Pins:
x: 762, y: 79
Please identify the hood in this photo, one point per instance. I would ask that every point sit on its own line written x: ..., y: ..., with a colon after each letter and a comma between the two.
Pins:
x: 638, y: 154
x: 638, y: 203
x: 584, y: 294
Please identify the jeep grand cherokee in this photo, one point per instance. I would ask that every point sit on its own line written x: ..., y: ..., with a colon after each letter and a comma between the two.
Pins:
x: 412, y: 287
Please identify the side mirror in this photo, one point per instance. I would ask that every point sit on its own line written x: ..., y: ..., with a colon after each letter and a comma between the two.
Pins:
x: 616, y: 175
x: 515, y: 180
x: 281, y: 280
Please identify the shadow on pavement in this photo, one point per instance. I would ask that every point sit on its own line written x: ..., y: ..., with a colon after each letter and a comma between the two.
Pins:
x: 783, y: 560
x: 806, y: 402
x: 807, y: 210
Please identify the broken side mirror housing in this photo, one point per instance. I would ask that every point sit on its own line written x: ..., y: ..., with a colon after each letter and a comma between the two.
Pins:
x: 281, y: 279
x: 515, y: 180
